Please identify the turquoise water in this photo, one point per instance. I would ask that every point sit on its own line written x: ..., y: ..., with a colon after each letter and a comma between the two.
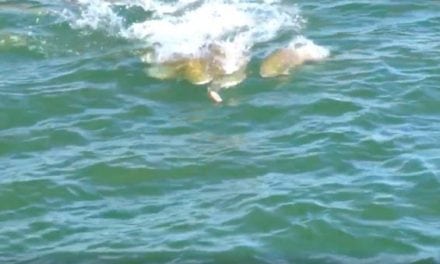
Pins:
x: 339, y: 162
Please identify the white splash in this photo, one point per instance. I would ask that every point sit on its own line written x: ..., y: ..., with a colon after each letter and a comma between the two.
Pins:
x: 96, y: 14
x: 184, y: 28
x: 307, y: 50
x: 199, y: 40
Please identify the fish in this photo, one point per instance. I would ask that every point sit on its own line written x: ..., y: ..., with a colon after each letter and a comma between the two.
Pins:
x: 280, y: 62
x: 283, y: 60
x: 204, y: 69
x: 13, y: 41
x: 197, y: 71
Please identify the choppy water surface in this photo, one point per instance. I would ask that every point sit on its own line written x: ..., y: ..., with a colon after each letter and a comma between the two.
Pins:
x: 338, y: 162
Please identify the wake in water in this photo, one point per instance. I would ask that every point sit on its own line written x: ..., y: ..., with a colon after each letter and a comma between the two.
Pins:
x: 204, y: 42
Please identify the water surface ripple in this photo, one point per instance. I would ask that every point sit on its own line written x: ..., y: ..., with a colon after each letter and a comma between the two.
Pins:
x: 337, y: 163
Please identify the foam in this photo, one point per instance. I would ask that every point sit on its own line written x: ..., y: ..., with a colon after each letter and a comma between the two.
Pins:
x: 96, y: 14
x: 185, y: 28
x: 307, y: 50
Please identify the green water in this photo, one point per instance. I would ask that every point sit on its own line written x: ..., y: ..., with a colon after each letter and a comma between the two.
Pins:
x: 338, y: 162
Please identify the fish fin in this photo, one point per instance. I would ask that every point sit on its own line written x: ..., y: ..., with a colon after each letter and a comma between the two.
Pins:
x: 214, y: 96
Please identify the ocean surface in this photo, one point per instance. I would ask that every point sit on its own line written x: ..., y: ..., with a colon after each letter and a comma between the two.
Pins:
x: 337, y: 162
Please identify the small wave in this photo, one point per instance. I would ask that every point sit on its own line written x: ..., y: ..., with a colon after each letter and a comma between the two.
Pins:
x: 204, y: 42
x: 185, y: 27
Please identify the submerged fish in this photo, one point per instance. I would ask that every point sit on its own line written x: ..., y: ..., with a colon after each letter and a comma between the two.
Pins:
x: 194, y: 70
x: 12, y: 41
x: 205, y: 69
x: 209, y: 66
x: 197, y: 71
x: 281, y: 61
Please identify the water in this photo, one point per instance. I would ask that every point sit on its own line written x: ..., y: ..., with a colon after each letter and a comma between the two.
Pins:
x: 338, y: 162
